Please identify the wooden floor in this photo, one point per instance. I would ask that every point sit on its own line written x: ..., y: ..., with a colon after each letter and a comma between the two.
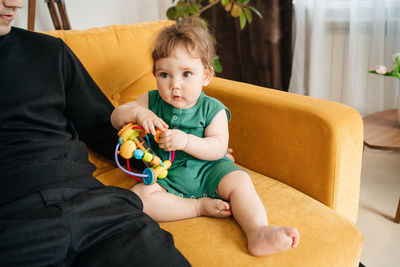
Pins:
x: 379, y: 196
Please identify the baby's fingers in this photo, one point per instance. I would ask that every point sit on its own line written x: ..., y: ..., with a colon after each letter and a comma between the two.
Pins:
x: 164, y: 138
x: 167, y: 148
x: 149, y: 127
x: 161, y: 125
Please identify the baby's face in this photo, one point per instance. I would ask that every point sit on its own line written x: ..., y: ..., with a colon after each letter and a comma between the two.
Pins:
x: 180, y: 78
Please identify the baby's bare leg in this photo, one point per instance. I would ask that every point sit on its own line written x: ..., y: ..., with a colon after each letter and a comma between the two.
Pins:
x: 163, y: 206
x: 248, y: 210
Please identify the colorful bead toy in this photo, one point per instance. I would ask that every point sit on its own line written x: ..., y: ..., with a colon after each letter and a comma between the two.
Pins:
x: 134, y: 142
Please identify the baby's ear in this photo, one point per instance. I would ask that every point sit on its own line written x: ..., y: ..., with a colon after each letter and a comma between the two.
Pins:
x: 208, y: 74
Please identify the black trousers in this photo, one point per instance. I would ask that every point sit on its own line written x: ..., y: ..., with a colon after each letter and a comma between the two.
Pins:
x: 81, y: 227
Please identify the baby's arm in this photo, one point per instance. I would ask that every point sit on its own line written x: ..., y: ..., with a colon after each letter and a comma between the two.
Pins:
x: 137, y: 111
x: 213, y: 146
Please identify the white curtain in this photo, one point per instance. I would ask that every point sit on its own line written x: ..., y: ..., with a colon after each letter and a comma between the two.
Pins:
x: 337, y: 42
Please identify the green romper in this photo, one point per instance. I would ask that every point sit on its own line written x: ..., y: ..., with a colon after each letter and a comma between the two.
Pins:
x: 188, y: 176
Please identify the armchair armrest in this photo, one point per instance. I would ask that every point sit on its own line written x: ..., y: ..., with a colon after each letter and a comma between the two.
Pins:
x: 310, y: 144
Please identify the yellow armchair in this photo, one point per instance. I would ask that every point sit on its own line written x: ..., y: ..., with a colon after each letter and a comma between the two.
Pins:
x: 304, y: 155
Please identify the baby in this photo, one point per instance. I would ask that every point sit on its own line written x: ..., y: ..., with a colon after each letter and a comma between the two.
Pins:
x: 202, y: 181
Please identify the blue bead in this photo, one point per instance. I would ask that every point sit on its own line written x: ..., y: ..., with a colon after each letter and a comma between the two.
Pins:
x: 138, y: 154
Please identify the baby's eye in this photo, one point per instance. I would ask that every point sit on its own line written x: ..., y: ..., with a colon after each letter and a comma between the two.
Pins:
x: 163, y: 74
x: 187, y: 74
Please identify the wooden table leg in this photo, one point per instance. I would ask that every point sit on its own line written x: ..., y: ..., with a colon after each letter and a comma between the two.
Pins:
x: 31, y: 15
x: 397, y: 218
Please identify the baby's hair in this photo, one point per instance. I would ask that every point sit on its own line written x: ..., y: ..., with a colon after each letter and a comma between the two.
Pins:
x: 193, y: 33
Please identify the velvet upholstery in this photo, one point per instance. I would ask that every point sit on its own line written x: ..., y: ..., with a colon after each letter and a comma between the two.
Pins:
x: 304, y: 155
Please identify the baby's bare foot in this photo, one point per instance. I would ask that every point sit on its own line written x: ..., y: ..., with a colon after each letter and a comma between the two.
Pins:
x: 272, y: 239
x: 213, y: 207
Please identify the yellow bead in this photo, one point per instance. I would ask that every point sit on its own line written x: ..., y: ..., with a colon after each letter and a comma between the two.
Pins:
x: 163, y: 174
x: 148, y: 157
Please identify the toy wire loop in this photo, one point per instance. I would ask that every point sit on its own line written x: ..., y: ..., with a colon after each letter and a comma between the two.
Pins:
x: 134, y: 142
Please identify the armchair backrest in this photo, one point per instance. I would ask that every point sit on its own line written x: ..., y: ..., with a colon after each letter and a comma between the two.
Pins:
x: 117, y: 57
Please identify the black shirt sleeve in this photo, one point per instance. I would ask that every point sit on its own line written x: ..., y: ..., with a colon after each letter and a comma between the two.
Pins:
x: 87, y: 108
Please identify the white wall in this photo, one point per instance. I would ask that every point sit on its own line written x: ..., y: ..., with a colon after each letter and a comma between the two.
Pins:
x: 84, y: 14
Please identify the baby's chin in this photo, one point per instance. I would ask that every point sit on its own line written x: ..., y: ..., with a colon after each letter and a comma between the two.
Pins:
x: 180, y: 104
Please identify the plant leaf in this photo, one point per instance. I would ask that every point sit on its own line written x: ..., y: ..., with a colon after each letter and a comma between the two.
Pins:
x: 389, y: 73
x: 256, y: 11
x: 248, y: 15
x: 235, y: 12
x: 224, y: 2
x: 217, y: 64
x: 396, y: 68
x: 171, y: 13
x: 228, y: 7
x: 179, y: 11
x: 242, y: 18
x: 194, y: 9
x: 186, y: 12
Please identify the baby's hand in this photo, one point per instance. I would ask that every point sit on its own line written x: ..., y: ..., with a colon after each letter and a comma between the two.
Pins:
x: 150, y: 121
x: 229, y: 154
x: 171, y: 140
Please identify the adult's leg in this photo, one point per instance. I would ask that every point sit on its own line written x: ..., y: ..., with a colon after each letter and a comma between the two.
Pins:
x: 150, y: 246
x: 97, y: 227
x: 109, y: 228
x: 33, y: 234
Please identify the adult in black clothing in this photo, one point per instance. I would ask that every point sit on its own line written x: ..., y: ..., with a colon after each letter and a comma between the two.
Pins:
x: 52, y: 210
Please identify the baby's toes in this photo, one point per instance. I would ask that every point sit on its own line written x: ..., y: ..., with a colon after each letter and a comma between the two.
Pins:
x: 294, y: 234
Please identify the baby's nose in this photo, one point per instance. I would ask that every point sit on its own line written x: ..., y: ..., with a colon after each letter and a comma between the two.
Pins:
x: 175, y: 83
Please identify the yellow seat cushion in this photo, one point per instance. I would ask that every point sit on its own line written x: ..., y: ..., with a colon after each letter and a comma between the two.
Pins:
x: 326, y: 238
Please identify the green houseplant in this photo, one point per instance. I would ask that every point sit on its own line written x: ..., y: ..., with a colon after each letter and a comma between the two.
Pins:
x: 237, y: 8
x: 382, y: 70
